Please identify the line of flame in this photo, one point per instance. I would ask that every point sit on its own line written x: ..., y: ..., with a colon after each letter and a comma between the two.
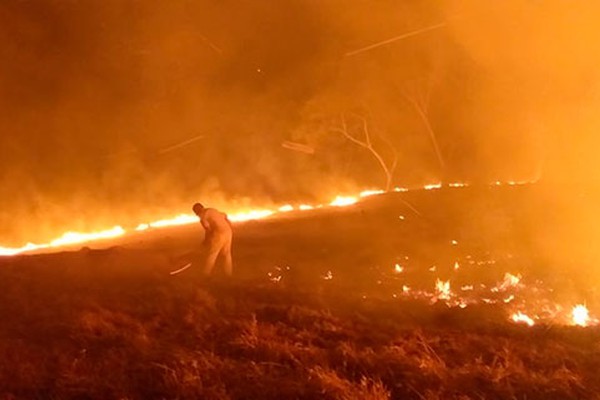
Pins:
x: 71, y: 238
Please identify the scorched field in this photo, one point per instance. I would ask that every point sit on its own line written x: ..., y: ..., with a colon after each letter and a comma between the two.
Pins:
x: 459, y: 293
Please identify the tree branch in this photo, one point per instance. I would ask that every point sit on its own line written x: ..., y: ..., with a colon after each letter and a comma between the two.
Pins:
x: 425, y: 119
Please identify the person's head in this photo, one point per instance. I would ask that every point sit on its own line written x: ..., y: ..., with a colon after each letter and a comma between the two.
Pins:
x: 197, y: 208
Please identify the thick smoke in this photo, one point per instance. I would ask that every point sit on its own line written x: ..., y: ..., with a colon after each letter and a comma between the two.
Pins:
x: 120, y: 111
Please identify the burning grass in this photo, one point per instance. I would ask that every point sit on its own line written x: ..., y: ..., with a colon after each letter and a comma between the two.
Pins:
x: 424, y: 314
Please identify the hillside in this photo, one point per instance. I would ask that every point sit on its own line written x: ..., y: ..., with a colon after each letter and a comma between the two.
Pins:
x: 404, y: 296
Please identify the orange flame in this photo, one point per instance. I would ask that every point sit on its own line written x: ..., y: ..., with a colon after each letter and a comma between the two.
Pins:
x: 342, y: 201
x: 581, y: 315
x: 443, y: 289
x: 66, y: 239
x: 519, y: 317
x: 71, y: 238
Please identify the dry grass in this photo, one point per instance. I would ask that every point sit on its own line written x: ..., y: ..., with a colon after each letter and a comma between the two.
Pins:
x: 114, y: 325
x: 251, y: 340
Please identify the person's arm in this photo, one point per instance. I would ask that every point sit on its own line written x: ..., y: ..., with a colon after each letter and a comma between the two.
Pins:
x: 205, y: 224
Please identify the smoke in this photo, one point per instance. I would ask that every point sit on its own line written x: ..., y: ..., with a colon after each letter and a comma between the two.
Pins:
x: 540, y: 81
x: 119, y: 111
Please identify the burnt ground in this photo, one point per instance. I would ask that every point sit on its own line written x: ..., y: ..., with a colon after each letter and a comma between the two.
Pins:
x: 317, y: 309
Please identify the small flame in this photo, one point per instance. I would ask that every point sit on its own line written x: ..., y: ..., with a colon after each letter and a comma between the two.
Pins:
x: 249, y: 215
x: 286, y: 208
x: 142, y: 227
x: 509, y: 281
x: 277, y: 275
x: 328, y: 276
x: 398, y: 268
x: 181, y: 219
x: 11, y: 251
x: 443, y: 289
x: 275, y: 278
x: 433, y: 186
x: 342, y: 201
x: 76, y: 237
x: 519, y: 317
x: 581, y: 315
x: 66, y: 239
x: 367, y: 193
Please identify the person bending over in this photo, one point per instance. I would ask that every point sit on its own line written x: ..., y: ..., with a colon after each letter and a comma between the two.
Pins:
x: 217, y: 239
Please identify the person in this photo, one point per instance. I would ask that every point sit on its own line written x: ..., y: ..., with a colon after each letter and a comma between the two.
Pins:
x: 217, y: 239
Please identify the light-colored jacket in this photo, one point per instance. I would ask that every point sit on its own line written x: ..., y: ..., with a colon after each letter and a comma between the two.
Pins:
x: 215, y: 223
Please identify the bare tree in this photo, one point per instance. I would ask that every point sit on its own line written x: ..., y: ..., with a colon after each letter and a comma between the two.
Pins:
x: 362, y: 137
x: 418, y: 97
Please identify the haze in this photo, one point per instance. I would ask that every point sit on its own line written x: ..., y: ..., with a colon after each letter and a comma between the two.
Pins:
x: 117, y: 111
